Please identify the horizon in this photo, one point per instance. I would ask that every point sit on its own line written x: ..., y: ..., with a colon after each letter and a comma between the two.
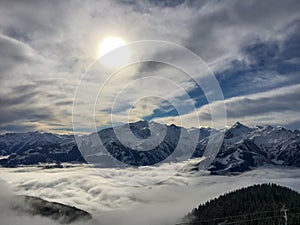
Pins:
x: 206, y: 127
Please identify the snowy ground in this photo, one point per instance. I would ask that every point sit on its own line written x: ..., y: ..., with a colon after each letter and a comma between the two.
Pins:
x: 122, y: 202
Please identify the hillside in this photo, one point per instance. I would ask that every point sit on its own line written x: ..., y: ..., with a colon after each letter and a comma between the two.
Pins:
x: 23, y: 207
x: 254, y: 205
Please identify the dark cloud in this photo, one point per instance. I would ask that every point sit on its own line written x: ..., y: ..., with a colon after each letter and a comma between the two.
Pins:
x: 21, y: 106
x: 267, y: 65
x: 20, y: 115
x: 13, y: 55
x: 67, y: 102
x: 17, y: 128
x: 17, y: 99
x: 166, y: 3
x: 224, y: 27
x: 245, y: 107
x: 24, y: 88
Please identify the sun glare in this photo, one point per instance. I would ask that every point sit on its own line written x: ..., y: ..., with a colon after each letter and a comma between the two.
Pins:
x: 116, y: 58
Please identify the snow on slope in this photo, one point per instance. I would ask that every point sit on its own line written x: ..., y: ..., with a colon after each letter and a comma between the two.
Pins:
x: 245, y: 148
x: 147, y: 143
x: 18, y: 142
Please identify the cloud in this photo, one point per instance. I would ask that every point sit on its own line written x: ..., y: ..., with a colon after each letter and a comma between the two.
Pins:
x: 13, y: 51
x: 112, y: 202
x: 70, y: 45
x: 212, y: 31
x: 45, y: 48
x: 16, y: 210
x: 277, y: 106
x: 9, y: 215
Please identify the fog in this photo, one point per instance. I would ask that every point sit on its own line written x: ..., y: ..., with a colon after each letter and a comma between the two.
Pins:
x: 123, y: 203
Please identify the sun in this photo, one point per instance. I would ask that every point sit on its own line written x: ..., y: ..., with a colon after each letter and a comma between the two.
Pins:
x: 117, y: 58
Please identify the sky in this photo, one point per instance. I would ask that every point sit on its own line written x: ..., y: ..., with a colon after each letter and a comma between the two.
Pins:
x: 252, y: 48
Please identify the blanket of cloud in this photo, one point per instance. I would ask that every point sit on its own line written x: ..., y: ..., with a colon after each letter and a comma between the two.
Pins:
x: 251, y: 46
x: 14, y: 210
x: 114, y: 203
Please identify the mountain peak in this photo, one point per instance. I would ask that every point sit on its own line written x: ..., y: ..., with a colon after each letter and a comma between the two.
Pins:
x: 237, y: 129
x: 264, y: 127
x: 140, y: 123
x: 280, y: 128
x: 238, y: 125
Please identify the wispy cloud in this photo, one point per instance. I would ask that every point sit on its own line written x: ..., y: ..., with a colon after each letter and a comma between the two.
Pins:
x: 45, y: 47
x: 270, y: 107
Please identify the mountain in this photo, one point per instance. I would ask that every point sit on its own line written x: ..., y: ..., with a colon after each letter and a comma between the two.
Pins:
x: 136, y: 149
x: 34, y: 206
x: 146, y: 143
x: 20, y: 142
x: 36, y: 147
x: 255, y: 205
x: 244, y: 148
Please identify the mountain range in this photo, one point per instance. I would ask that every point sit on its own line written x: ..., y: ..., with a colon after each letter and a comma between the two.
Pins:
x: 242, y: 149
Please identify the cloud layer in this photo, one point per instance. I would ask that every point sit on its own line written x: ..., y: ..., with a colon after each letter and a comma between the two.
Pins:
x: 115, y: 203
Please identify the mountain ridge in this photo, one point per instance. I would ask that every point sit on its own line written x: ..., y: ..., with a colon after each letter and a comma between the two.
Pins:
x: 24, y: 205
x: 242, y: 149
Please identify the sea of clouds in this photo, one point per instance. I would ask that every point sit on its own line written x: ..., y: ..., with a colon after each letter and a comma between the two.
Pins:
x: 112, y: 195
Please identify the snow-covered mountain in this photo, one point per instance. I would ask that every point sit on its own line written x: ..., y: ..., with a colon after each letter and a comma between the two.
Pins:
x: 141, y: 144
x: 37, y: 147
x: 144, y: 144
x: 244, y: 148
x: 20, y: 142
